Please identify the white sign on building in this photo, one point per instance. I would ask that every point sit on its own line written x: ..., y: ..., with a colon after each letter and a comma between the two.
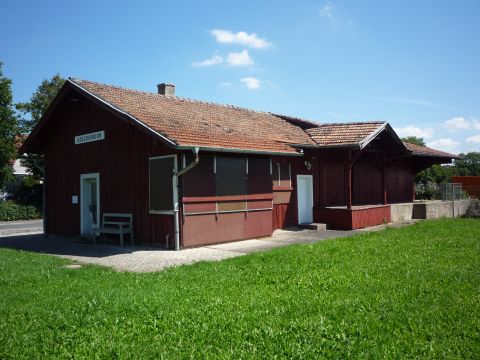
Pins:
x: 85, y: 138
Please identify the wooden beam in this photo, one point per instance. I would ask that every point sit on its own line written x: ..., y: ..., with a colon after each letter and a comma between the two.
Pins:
x: 384, y: 182
x: 349, y: 179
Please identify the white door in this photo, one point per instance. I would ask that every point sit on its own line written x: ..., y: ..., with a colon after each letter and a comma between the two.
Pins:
x: 305, y: 199
x: 89, y: 202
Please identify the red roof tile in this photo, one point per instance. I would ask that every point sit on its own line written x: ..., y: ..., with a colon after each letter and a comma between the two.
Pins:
x: 426, y: 151
x: 193, y: 123
x: 344, y: 134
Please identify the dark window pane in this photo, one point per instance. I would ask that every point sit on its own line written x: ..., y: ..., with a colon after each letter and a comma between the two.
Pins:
x: 161, y: 184
x: 200, y: 180
x: 230, y: 176
x: 259, y: 179
x: 275, y: 174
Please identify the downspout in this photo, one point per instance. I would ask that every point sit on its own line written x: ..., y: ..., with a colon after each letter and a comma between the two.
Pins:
x: 44, y: 204
x: 176, y: 175
x: 44, y: 200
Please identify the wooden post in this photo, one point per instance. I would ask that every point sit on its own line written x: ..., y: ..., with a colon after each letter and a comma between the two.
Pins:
x: 349, y: 180
x: 384, y: 183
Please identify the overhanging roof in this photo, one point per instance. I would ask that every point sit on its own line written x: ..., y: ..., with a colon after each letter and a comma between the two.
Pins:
x: 184, y: 124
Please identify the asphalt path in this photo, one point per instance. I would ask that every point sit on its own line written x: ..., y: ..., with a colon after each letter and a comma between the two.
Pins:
x: 18, y: 227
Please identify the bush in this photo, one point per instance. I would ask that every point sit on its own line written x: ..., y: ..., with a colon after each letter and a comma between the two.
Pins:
x: 473, y: 210
x: 11, y: 211
x: 427, y: 191
x: 30, y: 192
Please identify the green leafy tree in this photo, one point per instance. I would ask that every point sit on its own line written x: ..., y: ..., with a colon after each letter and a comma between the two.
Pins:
x: 414, y: 140
x: 468, y: 164
x: 35, y: 108
x: 8, y: 129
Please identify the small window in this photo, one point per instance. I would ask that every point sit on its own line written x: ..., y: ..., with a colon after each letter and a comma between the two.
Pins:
x: 230, y: 176
x: 259, y: 177
x: 161, y: 170
x: 281, y: 175
x: 199, y: 180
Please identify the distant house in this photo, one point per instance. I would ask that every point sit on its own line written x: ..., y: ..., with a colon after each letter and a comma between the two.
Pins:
x: 195, y: 173
x: 19, y: 171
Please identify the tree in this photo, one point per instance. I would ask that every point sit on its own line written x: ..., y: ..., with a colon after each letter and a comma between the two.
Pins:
x: 468, y: 164
x: 36, y: 107
x: 414, y: 140
x: 8, y: 129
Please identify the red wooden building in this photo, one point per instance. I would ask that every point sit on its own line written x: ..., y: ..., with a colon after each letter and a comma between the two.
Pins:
x: 195, y: 173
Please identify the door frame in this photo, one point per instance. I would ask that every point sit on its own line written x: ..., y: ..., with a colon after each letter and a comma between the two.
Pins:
x: 310, y: 178
x: 84, y: 177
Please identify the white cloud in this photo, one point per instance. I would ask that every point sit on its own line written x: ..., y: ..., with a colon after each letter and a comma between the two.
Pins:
x: 225, y: 84
x: 327, y: 10
x: 241, y: 58
x: 457, y: 123
x: 446, y: 144
x: 243, y: 38
x: 214, y: 60
x: 414, y: 131
x: 251, y: 82
x: 476, y: 123
x: 473, y: 139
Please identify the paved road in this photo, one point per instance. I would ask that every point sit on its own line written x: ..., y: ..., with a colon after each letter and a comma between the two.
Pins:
x: 8, y: 228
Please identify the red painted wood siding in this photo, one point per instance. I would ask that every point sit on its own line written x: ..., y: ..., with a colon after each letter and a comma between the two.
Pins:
x: 283, y: 216
x: 367, y: 183
x: 198, y: 186
x: 470, y: 184
x: 122, y: 161
x: 400, y: 182
x: 345, y: 219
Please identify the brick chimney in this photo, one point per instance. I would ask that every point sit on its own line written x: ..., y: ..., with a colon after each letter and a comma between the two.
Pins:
x: 166, y: 89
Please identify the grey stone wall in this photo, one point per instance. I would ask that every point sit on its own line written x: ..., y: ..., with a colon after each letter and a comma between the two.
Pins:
x: 428, y: 210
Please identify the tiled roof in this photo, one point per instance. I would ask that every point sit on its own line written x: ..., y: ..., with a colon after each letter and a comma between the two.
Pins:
x: 344, y: 134
x: 193, y: 123
x: 426, y: 151
x: 303, y: 123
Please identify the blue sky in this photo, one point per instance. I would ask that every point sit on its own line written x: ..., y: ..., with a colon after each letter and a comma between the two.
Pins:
x: 415, y: 64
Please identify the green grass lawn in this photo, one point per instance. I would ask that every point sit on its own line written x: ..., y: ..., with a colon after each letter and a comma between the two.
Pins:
x: 409, y: 292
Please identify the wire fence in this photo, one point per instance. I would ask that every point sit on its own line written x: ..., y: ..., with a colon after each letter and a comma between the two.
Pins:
x: 446, y: 191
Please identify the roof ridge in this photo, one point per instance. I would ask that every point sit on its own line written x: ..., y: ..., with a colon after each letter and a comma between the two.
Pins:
x: 172, y: 98
x: 354, y: 123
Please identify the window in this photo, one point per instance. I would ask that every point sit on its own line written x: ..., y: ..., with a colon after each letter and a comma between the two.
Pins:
x: 259, y: 176
x: 161, y: 170
x: 227, y: 181
x: 200, y: 180
x: 230, y: 175
x: 281, y: 175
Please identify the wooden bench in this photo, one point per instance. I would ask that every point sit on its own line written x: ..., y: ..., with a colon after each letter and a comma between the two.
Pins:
x: 114, y: 223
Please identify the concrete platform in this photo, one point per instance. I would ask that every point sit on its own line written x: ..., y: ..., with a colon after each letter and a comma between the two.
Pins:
x: 428, y: 209
x: 147, y: 259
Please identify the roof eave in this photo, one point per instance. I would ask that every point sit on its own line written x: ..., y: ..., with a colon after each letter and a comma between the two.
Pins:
x: 237, y: 150
x: 450, y: 156
x: 336, y: 146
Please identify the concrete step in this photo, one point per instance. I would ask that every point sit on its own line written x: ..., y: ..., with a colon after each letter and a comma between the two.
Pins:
x: 314, y: 226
